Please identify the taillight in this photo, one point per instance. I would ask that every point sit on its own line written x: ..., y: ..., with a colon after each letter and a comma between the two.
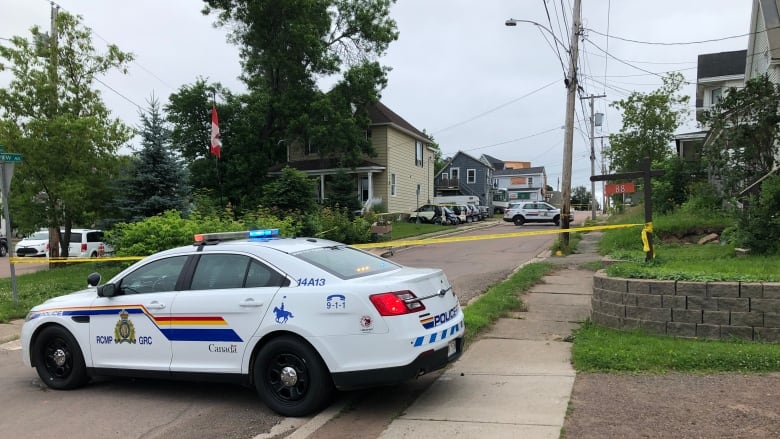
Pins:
x: 393, y: 304
x: 83, y: 248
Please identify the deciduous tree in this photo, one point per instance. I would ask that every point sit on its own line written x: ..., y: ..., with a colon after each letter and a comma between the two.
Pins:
x: 744, y: 129
x: 649, y: 123
x: 53, y: 114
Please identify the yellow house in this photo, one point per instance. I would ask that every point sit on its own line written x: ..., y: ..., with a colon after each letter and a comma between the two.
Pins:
x: 398, y: 178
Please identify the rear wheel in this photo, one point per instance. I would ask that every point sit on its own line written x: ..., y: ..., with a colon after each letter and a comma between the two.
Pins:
x: 557, y: 220
x: 291, y: 378
x: 518, y: 220
x: 59, y: 360
x: 3, y: 250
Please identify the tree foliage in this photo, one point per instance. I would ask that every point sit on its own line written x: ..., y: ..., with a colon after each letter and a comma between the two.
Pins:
x: 580, y: 196
x: 157, y: 180
x: 52, y: 113
x: 744, y: 128
x: 758, y: 226
x: 649, y: 122
x: 286, y: 47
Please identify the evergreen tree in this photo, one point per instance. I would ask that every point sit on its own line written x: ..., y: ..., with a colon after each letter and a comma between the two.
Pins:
x: 157, y: 179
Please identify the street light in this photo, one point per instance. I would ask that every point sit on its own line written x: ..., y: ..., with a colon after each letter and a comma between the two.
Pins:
x: 513, y: 22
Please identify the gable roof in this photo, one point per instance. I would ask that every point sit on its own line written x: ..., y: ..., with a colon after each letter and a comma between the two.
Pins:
x: 381, y: 115
x: 494, y: 162
x: 713, y: 65
x: 470, y: 157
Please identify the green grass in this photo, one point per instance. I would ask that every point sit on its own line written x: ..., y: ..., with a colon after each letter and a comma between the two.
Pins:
x: 689, y: 262
x: 608, y: 350
x: 405, y: 229
x: 502, y: 298
x: 35, y: 288
x: 710, y: 262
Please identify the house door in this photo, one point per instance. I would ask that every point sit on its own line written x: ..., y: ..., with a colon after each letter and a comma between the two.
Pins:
x: 364, y: 189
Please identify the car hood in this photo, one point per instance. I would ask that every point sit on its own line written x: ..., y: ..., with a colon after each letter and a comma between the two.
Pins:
x: 31, y: 242
x: 77, y: 298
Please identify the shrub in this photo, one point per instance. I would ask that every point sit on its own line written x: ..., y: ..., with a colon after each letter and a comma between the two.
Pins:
x: 758, y: 227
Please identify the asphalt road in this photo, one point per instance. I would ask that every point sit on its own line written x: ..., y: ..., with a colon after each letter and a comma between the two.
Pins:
x: 154, y: 409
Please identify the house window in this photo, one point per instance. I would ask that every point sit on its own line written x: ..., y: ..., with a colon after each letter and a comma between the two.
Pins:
x: 392, y: 184
x: 455, y: 173
x: 530, y: 181
x: 495, y: 182
x: 471, y: 176
x: 716, y: 95
x: 445, y: 176
x: 418, y: 154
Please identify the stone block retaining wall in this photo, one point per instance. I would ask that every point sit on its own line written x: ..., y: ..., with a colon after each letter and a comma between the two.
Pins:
x: 715, y: 310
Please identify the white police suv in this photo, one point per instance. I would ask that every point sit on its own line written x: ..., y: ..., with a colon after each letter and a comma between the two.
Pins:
x: 294, y: 317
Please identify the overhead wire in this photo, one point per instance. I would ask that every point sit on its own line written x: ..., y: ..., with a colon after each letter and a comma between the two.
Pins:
x: 558, y: 52
x: 513, y: 140
x: 484, y: 113
x: 681, y: 43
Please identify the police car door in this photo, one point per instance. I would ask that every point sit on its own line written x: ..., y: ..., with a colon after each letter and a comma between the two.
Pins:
x: 216, y: 317
x: 129, y: 330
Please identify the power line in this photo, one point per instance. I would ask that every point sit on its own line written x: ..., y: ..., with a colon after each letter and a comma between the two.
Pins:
x: 495, y: 108
x: 626, y: 63
x: 513, y: 140
x: 680, y: 43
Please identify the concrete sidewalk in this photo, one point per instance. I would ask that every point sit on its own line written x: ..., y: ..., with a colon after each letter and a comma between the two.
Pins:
x: 516, y: 380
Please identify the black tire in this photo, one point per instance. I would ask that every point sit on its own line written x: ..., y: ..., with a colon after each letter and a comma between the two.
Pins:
x: 59, y: 360
x: 518, y: 220
x: 557, y: 220
x: 3, y: 250
x: 291, y: 378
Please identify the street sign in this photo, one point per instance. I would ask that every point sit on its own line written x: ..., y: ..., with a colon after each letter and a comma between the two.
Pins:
x: 10, y: 157
x: 619, y: 188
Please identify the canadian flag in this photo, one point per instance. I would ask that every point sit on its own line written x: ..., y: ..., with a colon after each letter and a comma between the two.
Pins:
x: 216, y: 140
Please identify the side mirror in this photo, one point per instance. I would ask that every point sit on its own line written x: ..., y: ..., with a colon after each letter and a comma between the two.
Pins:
x: 107, y: 290
x: 93, y: 279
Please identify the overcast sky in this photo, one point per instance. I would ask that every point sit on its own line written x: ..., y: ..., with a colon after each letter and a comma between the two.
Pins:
x: 458, y: 72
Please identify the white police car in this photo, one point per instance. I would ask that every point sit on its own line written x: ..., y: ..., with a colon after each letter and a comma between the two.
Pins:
x: 294, y: 317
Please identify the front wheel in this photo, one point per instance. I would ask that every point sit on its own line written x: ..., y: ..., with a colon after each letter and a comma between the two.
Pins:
x: 3, y: 250
x: 59, y: 360
x: 518, y: 220
x: 291, y: 378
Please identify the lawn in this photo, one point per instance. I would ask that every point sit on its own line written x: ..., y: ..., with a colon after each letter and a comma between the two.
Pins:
x: 601, y: 349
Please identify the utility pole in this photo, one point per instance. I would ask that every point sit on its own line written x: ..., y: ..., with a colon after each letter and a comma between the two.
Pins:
x: 568, y: 137
x: 54, y: 230
x: 593, y: 155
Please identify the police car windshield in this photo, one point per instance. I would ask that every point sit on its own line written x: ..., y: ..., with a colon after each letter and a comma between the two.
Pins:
x: 346, y: 262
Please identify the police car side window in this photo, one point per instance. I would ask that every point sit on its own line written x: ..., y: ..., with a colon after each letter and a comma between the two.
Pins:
x: 219, y: 271
x: 155, y: 277
x: 260, y: 275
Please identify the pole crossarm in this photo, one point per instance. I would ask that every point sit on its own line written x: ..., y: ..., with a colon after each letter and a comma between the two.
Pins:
x: 627, y: 175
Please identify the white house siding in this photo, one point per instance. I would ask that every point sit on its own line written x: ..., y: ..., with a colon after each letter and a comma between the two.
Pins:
x: 759, y: 54
x: 401, y: 161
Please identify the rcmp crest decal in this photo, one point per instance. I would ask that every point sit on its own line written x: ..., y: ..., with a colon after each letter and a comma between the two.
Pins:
x: 124, y: 331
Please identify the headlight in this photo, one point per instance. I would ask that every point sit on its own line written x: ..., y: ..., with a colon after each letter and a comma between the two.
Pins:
x: 28, y: 317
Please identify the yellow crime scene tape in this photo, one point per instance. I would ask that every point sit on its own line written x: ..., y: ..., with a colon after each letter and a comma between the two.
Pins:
x: 410, y: 242
x: 385, y: 244
x: 73, y: 260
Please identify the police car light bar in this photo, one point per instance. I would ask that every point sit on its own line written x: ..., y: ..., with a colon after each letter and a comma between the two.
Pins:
x: 260, y: 234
